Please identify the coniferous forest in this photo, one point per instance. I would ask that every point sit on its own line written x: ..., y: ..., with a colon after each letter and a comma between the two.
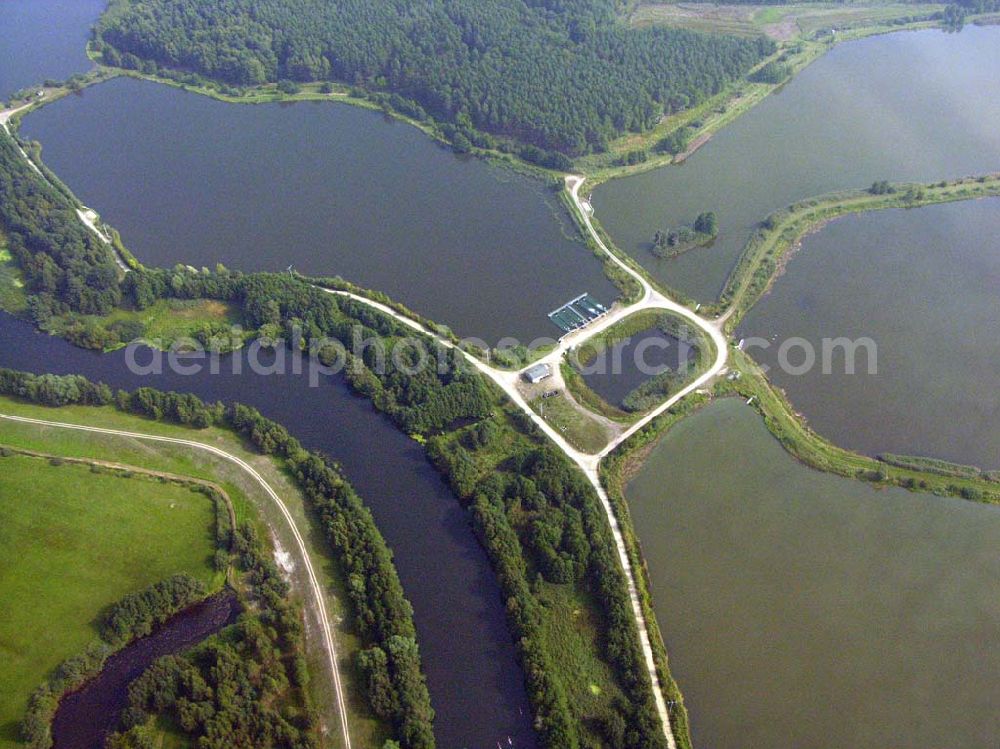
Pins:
x: 560, y: 75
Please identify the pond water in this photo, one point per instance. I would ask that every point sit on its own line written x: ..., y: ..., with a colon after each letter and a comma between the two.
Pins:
x: 805, y: 610
x: 327, y: 188
x: 921, y: 105
x: 44, y: 39
x: 924, y: 286
x: 475, y: 682
x: 625, y: 365
x: 86, y: 717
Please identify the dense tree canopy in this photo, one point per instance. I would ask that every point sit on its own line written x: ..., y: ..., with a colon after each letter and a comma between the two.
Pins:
x: 65, y: 266
x: 564, y: 75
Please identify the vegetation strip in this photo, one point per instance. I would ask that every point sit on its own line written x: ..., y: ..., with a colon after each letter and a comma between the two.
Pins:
x: 765, y: 253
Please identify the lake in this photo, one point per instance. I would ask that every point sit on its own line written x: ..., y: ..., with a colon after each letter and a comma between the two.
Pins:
x: 44, y: 39
x: 924, y: 286
x: 475, y: 681
x: 327, y: 188
x: 806, y: 610
x: 921, y: 105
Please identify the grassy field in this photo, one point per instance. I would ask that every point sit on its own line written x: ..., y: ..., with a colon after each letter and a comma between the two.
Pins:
x: 72, y: 543
x: 780, y: 22
x: 571, y: 637
x: 168, y: 319
x: 12, y: 296
x: 249, y: 500
x: 579, y: 429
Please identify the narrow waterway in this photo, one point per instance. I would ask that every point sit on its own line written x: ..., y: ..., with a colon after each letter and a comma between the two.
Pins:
x: 87, y: 716
x: 476, y: 684
x: 806, y: 610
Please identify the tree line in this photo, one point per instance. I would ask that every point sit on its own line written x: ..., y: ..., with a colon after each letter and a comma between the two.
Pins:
x: 65, y: 267
x: 137, y: 614
x: 564, y: 76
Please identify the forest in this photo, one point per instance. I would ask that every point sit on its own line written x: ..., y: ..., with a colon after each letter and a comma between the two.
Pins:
x: 66, y: 268
x: 563, y: 76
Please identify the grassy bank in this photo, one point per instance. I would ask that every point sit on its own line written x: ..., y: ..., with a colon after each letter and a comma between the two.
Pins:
x: 586, y: 397
x: 780, y: 234
x: 808, y: 447
x: 74, y: 541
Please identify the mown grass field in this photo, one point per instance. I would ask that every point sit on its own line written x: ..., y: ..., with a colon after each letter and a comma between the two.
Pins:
x: 249, y: 500
x: 73, y: 542
x: 579, y: 430
x: 780, y: 22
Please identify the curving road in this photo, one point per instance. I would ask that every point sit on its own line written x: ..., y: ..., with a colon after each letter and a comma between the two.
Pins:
x: 316, y: 588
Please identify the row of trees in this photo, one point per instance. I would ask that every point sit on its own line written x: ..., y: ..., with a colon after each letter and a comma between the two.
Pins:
x: 564, y: 76
x: 137, y: 614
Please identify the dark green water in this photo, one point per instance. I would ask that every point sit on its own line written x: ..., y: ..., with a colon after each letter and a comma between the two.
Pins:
x: 328, y: 188
x: 907, y: 106
x: 625, y: 365
x: 42, y: 39
x: 924, y: 285
x: 809, y: 611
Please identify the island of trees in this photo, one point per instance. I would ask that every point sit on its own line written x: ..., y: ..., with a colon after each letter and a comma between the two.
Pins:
x: 676, y: 241
x: 559, y: 76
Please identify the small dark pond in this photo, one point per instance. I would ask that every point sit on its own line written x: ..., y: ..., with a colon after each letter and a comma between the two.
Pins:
x: 86, y: 717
